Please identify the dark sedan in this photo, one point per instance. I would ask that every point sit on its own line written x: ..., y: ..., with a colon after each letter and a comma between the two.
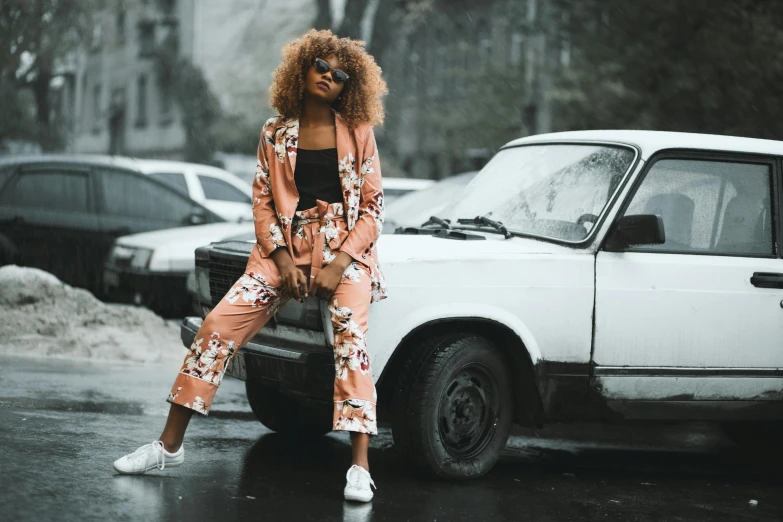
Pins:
x: 62, y: 213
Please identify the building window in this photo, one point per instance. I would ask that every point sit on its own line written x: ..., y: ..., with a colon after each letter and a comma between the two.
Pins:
x: 515, y: 49
x: 96, y: 39
x: 84, y: 114
x: 146, y: 38
x: 565, y: 52
x: 168, y: 6
x: 439, y: 70
x: 120, y: 23
x: 141, y: 102
x: 96, y: 108
x: 165, y: 109
x: 484, y: 42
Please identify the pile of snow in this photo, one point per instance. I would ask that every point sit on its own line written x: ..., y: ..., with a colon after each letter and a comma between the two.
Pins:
x: 42, y: 316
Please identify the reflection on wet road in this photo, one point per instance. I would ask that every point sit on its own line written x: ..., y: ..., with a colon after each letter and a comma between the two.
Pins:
x: 64, y: 422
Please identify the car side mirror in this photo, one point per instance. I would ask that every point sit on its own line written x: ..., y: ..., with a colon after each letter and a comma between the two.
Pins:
x: 641, y: 229
x: 197, y: 217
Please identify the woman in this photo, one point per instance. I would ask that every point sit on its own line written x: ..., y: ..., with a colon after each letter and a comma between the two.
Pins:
x: 318, y: 211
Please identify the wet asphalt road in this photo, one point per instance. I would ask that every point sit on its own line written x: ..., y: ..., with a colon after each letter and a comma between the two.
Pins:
x: 63, y: 423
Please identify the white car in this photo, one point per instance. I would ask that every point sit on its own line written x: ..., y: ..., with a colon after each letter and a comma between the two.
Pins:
x: 217, y: 189
x: 394, y: 188
x: 156, y: 269
x: 596, y: 275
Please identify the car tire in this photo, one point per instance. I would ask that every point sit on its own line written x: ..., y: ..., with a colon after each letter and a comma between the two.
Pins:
x: 283, y: 415
x: 453, y: 406
x: 756, y: 437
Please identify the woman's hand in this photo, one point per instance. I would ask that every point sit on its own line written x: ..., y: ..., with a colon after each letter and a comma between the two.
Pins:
x: 325, y: 283
x: 292, y: 279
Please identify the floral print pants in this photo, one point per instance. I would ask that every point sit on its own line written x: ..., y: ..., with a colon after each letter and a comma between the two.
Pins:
x: 255, y: 298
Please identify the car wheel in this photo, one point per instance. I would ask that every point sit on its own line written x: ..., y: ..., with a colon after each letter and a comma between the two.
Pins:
x: 454, y: 407
x: 762, y: 437
x: 279, y: 413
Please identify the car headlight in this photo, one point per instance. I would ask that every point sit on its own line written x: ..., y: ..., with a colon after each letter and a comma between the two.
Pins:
x: 202, y: 280
x: 141, y: 258
x: 121, y: 253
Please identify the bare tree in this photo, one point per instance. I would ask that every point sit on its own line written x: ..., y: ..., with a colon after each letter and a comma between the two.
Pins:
x: 36, y: 36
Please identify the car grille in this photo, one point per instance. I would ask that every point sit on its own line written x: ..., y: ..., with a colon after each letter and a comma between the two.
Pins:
x: 223, y: 273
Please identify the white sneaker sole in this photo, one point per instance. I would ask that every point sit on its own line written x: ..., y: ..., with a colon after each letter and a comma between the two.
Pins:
x: 357, y: 496
x: 172, y: 464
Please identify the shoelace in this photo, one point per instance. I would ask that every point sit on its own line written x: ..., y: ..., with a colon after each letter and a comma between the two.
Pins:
x: 360, y: 472
x: 157, y: 448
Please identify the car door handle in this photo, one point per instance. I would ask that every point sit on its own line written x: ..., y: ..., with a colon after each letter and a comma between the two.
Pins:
x: 767, y: 280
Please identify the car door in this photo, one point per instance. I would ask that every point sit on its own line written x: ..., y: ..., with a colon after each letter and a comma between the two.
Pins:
x: 694, y: 319
x: 225, y: 199
x: 130, y: 202
x: 48, y: 215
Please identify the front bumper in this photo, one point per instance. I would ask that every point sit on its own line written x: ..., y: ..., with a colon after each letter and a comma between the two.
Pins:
x: 163, y: 292
x: 302, y: 370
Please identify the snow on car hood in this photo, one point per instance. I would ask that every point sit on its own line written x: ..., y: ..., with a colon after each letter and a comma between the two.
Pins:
x: 174, y: 248
x: 394, y: 248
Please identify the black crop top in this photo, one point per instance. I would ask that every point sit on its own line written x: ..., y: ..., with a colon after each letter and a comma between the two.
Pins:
x: 317, y: 177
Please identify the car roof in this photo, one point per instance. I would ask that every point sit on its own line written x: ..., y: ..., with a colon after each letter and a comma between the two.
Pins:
x: 652, y: 141
x: 75, y: 159
x: 149, y: 166
x: 145, y: 166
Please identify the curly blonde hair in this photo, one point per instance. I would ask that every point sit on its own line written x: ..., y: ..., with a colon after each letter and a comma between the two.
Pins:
x: 360, y: 101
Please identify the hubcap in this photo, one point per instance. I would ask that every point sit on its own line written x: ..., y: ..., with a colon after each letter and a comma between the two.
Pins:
x: 468, y: 411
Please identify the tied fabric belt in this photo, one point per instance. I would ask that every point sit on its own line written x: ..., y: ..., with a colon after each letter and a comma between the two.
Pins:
x: 326, y: 234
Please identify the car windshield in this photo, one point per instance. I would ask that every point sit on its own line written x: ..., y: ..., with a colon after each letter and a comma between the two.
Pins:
x: 554, y: 191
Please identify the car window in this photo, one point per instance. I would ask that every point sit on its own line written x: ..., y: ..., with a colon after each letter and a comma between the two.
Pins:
x: 217, y: 189
x: 712, y: 207
x: 175, y: 180
x: 131, y: 195
x: 555, y: 191
x: 5, y: 175
x: 49, y: 189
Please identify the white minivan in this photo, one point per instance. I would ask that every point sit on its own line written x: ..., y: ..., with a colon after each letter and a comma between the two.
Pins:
x: 219, y: 190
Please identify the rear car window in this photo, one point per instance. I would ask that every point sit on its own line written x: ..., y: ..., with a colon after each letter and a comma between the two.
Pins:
x: 49, y: 189
x: 5, y: 175
x: 126, y: 194
x: 217, y: 189
x: 175, y: 180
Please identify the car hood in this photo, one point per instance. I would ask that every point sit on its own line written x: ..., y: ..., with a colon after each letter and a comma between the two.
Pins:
x: 397, y: 248
x: 174, y: 248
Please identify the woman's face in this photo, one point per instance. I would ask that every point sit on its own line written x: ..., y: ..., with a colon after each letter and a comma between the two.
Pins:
x: 321, y: 85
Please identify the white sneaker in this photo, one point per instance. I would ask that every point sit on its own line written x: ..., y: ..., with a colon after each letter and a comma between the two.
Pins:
x: 357, y: 485
x: 147, y: 457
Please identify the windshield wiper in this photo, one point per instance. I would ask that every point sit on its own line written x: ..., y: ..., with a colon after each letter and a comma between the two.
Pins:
x: 435, y: 220
x: 484, y: 220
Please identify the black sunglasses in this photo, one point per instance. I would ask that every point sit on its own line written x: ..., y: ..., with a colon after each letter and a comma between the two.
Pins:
x: 337, y: 75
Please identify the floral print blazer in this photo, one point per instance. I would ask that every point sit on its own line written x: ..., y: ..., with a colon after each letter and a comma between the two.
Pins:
x: 275, y: 197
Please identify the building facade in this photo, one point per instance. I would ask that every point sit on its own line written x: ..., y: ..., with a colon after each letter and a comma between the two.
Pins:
x: 113, y: 99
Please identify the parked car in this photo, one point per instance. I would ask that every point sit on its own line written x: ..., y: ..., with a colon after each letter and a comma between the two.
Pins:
x: 242, y: 166
x: 63, y: 213
x: 596, y: 275
x: 156, y: 269
x: 415, y: 208
x: 393, y: 188
x: 217, y: 189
